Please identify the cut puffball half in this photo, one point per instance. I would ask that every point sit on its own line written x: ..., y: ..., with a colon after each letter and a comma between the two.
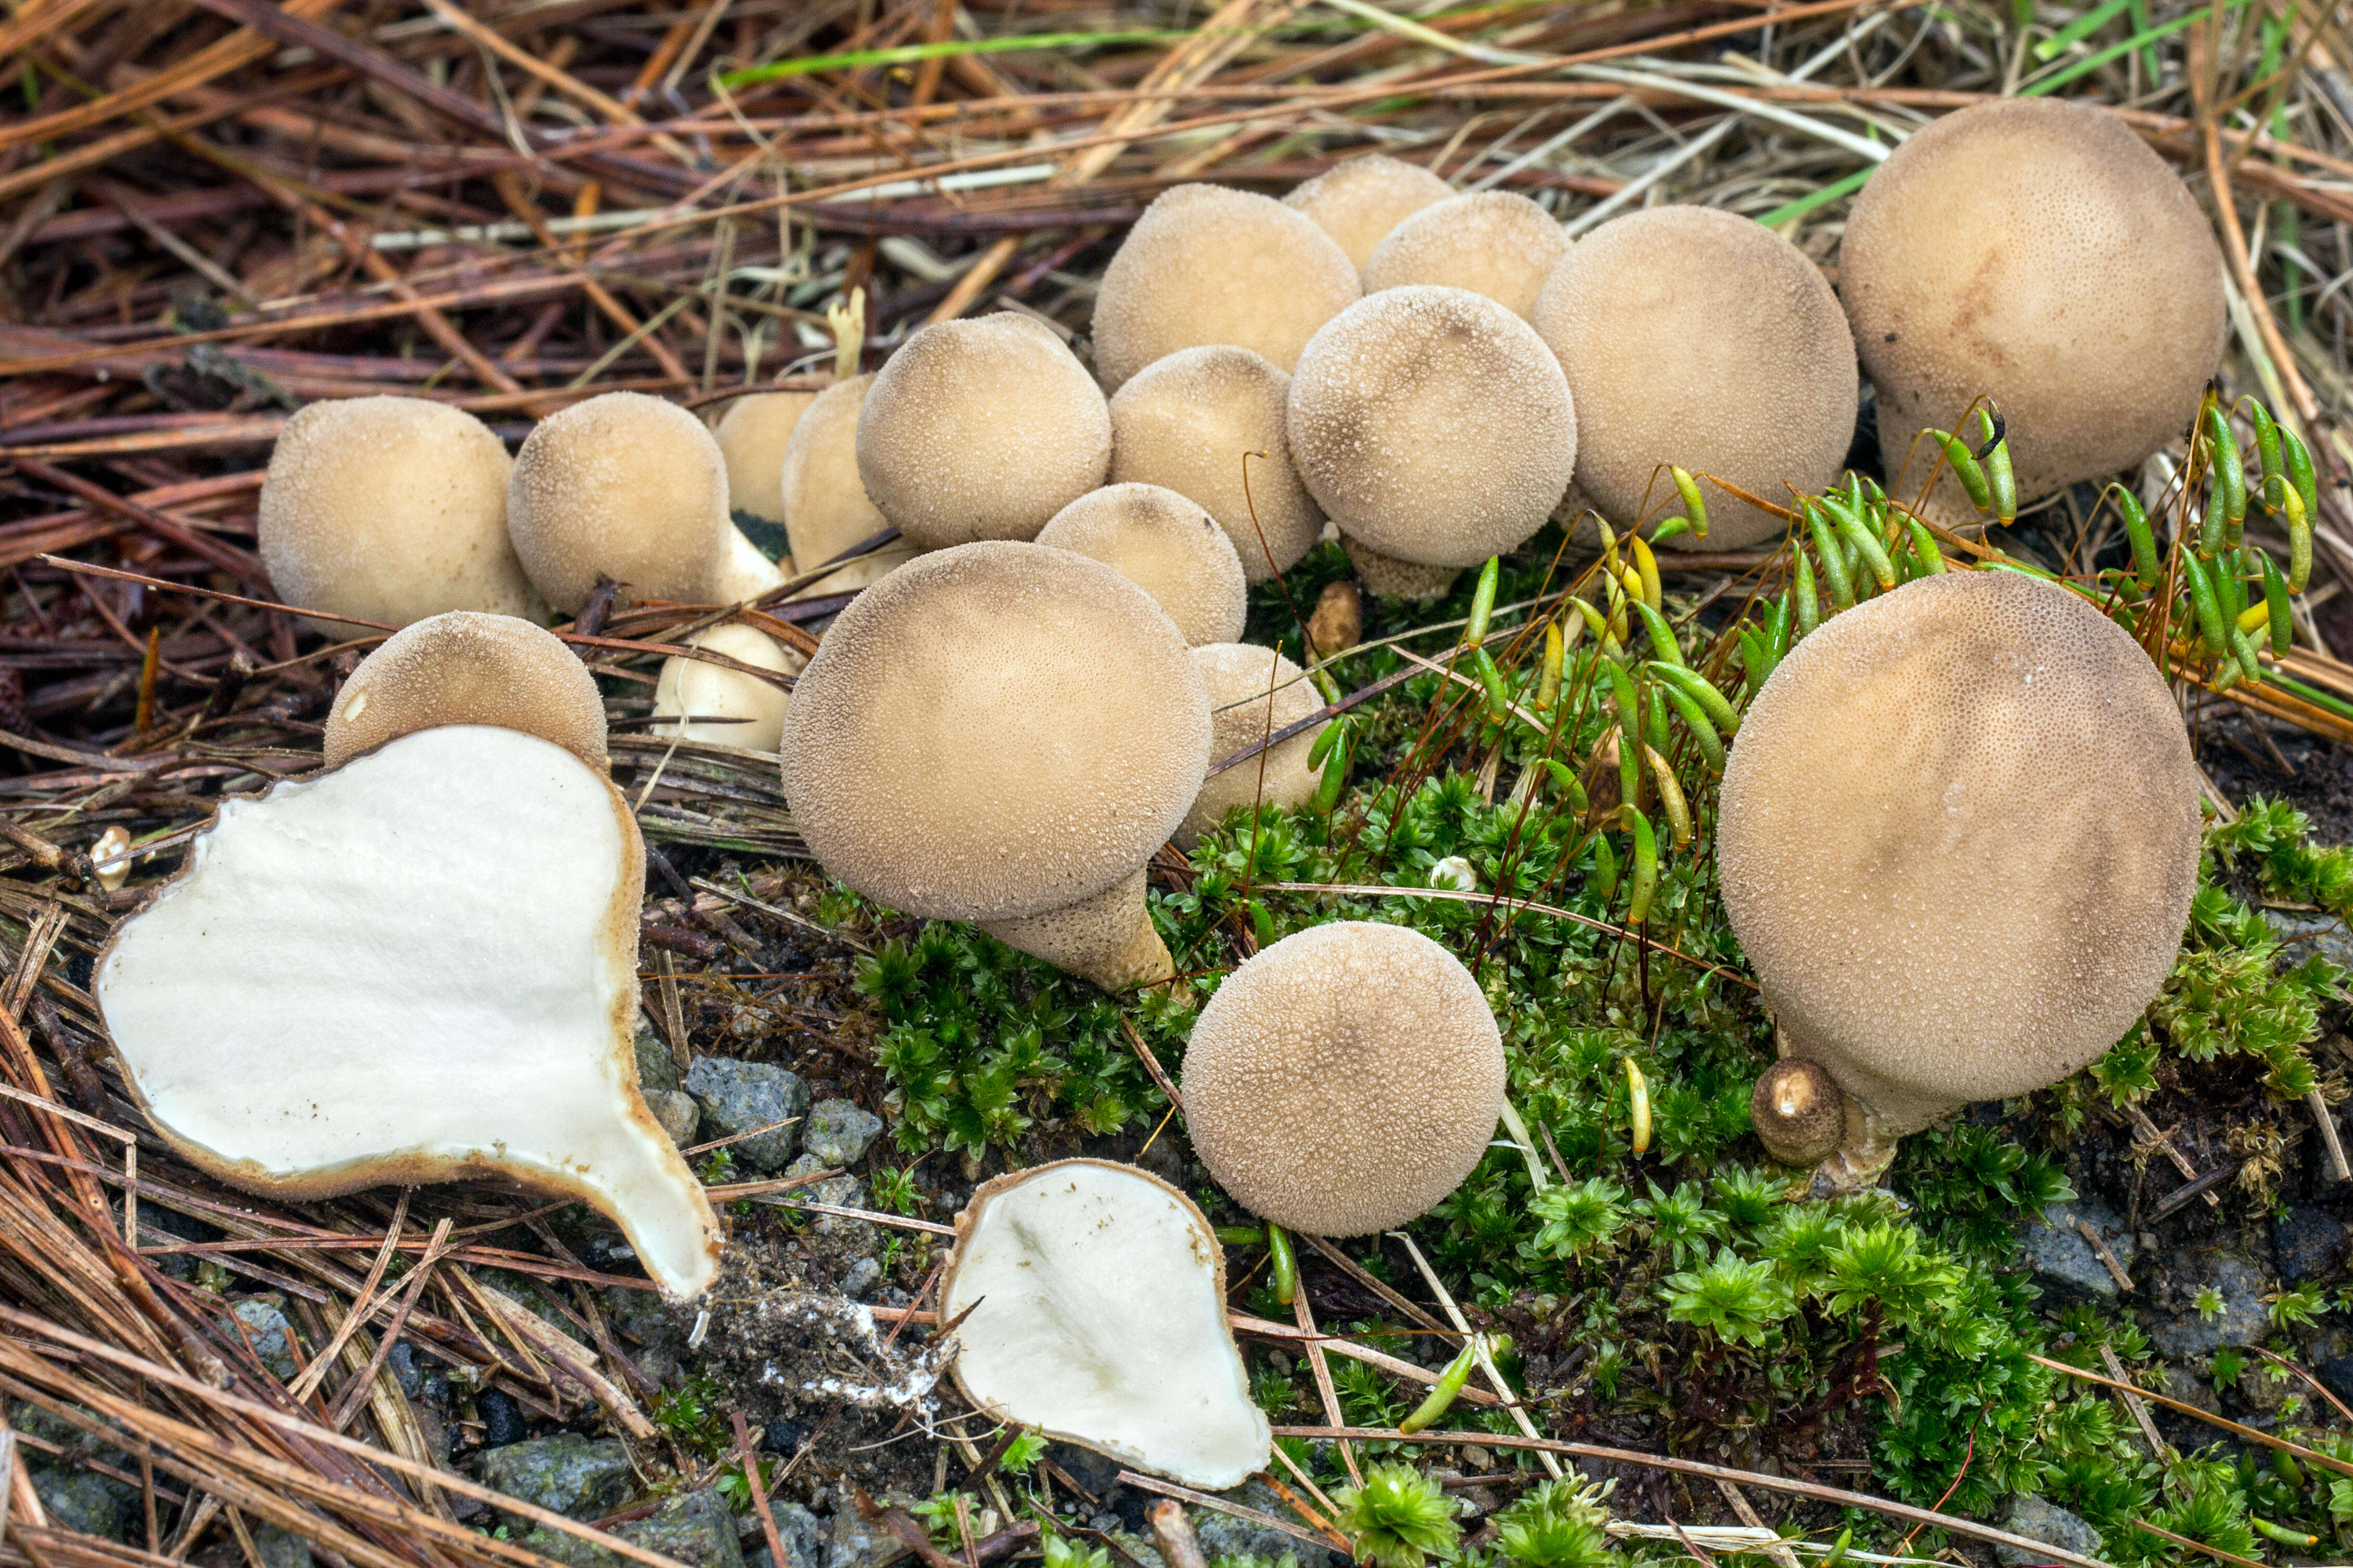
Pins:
x: 1097, y: 1294
x: 421, y: 966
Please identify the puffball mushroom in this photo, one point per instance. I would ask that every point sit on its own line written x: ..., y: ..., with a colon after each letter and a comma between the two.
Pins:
x: 1198, y: 422
x: 1435, y: 428
x: 390, y: 509
x: 826, y: 508
x: 1494, y: 243
x: 465, y: 667
x: 1344, y: 1079
x: 1253, y: 693
x: 419, y: 967
x: 1798, y: 1112
x: 631, y: 488
x: 1699, y: 337
x: 707, y: 696
x: 1359, y: 200
x: 981, y: 430
x: 1097, y: 1295
x: 1208, y: 264
x: 752, y: 434
x: 1166, y: 545
x: 1003, y: 732
x: 2080, y: 289
x: 1958, y: 840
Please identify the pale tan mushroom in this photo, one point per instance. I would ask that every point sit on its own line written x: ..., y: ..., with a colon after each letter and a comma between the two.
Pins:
x: 464, y: 668
x: 1360, y: 199
x: 1254, y: 692
x: 752, y: 434
x: 1166, y: 545
x: 725, y: 706
x: 826, y: 508
x: 1494, y: 243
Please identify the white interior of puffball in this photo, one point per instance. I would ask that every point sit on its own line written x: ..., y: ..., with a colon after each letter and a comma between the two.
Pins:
x: 1099, y: 1322
x: 419, y: 966
x: 702, y: 692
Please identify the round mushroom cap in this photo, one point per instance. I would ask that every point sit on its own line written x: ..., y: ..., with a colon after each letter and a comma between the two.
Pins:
x: 727, y: 707
x: 391, y: 510
x: 1494, y: 243
x: 467, y: 667
x: 1358, y: 201
x: 992, y: 732
x: 1208, y: 264
x: 751, y: 435
x: 1798, y: 1112
x: 1346, y: 1080
x: 626, y: 487
x: 826, y: 508
x: 1245, y: 680
x: 1195, y: 422
x: 1698, y: 337
x: 1959, y: 841
x: 1166, y: 545
x: 2082, y: 290
x: 981, y: 430
x: 1433, y: 425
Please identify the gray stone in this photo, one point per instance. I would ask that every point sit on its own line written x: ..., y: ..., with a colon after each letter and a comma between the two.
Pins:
x: 860, y: 1543
x: 571, y: 1551
x: 837, y: 1132
x: 79, y: 1501
x: 567, y: 1473
x: 2241, y: 1320
x: 1145, y: 1552
x: 2063, y: 1263
x: 264, y: 1318
x: 2053, y: 1526
x: 737, y: 1097
x: 1223, y: 1535
x: 695, y: 1530
x: 857, y: 1237
x: 279, y: 1548
x: 678, y: 1113
x: 800, y: 1532
x: 657, y: 1068
x: 2310, y: 1243
x: 2302, y: 934
x: 860, y: 1278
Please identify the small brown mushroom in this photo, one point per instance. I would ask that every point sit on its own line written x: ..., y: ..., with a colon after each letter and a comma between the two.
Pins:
x: 1253, y: 692
x: 1435, y: 428
x: 1494, y: 243
x: 1359, y: 200
x: 1207, y: 423
x: 981, y: 430
x: 1958, y: 842
x: 2082, y: 290
x: 1798, y: 1112
x: 826, y: 508
x: 1698, y: 337
x: 1207, y: 264
x: 1166, y: 545
x: 465, y: 667
x: 752, y: 434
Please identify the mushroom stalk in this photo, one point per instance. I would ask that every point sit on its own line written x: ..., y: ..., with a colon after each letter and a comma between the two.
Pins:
x: 1108, y: 939
x: 1394, y: 579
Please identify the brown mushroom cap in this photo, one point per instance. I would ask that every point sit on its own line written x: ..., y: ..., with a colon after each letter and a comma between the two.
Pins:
x: 1494, y: 243
x: 1166, y: 545
x: 1241, y: 676
x: 1958, y: 842
x: 1358, y: 201
x: 631, y: 488
x: 1346, y: 1080
x: 1433, y: 425
x: 1194, y: 422
x: 826, y: 508
x: 752, y: 434
x: 390, y: 509
x: 1798, y: 1112
x: 464, y: 668
x: 1701, y: 338
x: 981, y: 430
x: 2082, y: 290
x: 997, y: 730
x: 1207, y: 264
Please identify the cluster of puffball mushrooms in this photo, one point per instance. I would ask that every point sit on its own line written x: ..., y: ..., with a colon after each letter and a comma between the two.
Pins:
x: 1023, y: 700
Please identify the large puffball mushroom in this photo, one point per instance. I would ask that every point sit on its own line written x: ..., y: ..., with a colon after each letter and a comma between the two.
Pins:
x: 1254, y: 692
x: 752, y: 434
x: 464, y: 668
x: 1435, y: 428
x: 1208, y: 264
x: 826, y: 508
x: 634, y: 488
x: 419, y: 967
x: 1003, y: 732
x: 1097, y: 1295
x: 1358, y: 201
x: 1494, y: 243
x: 1958, y: 840
x: 1699, y: 337
x: 981, y: 430
x: 709, y: 702
x: 1344, y: 1079
x: 391, y: 510
x: 1164, y: 545
x: 2080, y: 289
x: 1197, y: 422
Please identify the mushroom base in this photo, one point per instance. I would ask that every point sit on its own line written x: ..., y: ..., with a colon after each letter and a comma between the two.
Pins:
x: 1107, y: 939
x: 1862, y: 1160
x: 1394, y: 579
x: 744, y: 573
